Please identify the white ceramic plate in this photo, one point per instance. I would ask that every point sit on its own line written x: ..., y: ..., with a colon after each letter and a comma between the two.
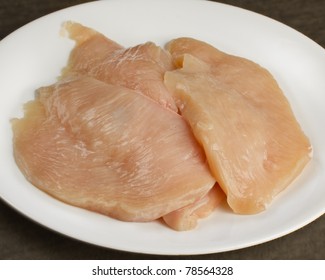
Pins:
x: 34, y: 55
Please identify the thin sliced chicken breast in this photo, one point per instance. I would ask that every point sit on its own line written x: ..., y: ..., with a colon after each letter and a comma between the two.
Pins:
x: 254, y: 145
x: 104, y: 148
x: 186, y: 218
x: 140, y: 68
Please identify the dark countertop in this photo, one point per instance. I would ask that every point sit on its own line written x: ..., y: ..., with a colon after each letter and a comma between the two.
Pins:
x: 21, y: 238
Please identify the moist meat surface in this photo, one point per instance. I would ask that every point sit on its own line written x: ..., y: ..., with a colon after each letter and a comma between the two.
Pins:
x: 254, y: 144
x: 104, y: 148
x: 141, y: 133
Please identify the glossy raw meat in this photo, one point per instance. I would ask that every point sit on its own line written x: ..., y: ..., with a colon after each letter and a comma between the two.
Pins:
x: 186, y: 218
x: 253, y: 143
x: 140, y: 68
x: 109, y: 150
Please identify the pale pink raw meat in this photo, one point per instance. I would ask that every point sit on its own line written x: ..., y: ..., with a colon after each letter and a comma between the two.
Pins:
x: 186, y: 218
x: 140, y: 68
x: 104, y: 148
x: 254, y: 145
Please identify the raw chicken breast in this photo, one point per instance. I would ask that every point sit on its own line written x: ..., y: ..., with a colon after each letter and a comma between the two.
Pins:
x: 140, y: 68
x: 254, y: 145
x: 186, y: 218
x: 91, y: 46
x: 107, y: 149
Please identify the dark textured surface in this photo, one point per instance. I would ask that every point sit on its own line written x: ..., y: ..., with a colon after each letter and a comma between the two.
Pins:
x: 21, y: 238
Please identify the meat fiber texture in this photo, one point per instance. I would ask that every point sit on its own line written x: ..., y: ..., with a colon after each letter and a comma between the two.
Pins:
x: 237, y: 111
x: 143, y: 133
